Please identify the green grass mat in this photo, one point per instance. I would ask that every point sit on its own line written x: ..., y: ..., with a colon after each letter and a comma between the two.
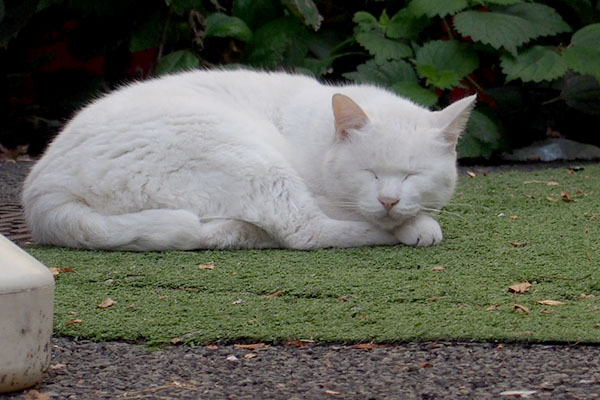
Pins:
x: 502, y: 229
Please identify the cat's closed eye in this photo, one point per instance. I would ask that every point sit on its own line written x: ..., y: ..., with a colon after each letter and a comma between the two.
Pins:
x: 372, y: 173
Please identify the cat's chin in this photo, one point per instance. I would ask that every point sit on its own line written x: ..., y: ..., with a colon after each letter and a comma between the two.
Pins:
x: 390, y: 223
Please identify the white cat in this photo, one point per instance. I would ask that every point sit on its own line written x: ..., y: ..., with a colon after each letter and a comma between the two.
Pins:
x: 245, y: 159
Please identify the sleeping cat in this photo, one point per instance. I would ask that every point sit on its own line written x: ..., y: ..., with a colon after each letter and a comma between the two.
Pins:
x: 245, y: 159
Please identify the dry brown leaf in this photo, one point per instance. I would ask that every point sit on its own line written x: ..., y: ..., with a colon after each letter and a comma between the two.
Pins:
x: 551, y: 302
x: 518, y: 244
x: 176, y: 341
x: 209, y: 266
x: 362, y: 317
x: 519, y: 307
x: 471, y: 174
x: 211, y: 347
x: 300, y: 343
x: 550, y: 198
x: 274, y: 294
x: 72, y: 313
x: 58, y: 270
x: 514, y: 217
x: 586, y: 296
x: 520, y: 287
x: 434, y: 298
x: 332, y: 392
x: 249, y: 346
x: 35, y: 395
x: 363, y: 346
x: 74, y: 321
x: 493, y: 307
x: 564, y: 195
x: 250, y: 355
x: 344, y: 298
x: 426, y: 364
x: 530, y: 196
x: 438, y: 268
x: 108, y: 302
x: 57, y: 366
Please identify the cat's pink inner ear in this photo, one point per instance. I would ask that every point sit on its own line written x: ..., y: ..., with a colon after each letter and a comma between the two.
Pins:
x: 454, y: 118
x: 348, y: 115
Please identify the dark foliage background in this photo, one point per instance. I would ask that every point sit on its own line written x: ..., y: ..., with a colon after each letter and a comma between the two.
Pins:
x: 534, y: 65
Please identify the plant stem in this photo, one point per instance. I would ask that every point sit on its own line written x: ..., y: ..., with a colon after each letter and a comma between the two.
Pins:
x: 448, y: 28
x: 554, y: 100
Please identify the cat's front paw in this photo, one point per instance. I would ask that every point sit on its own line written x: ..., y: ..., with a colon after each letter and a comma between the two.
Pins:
x: 422, y: 230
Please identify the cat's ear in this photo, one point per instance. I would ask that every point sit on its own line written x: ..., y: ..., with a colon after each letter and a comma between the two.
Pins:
x: 348, y: 115
x: 453, y: 119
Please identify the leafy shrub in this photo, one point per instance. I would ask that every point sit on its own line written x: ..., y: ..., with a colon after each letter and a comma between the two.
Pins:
x: 534, y: 65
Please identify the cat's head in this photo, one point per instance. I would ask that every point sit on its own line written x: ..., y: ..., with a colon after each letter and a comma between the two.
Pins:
x: 393, y: 159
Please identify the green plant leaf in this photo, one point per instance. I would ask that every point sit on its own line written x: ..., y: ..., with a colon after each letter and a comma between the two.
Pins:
x: 181, y: 6
x: 222, y: 25
x: 416, y: 93
x: 582, y: 92
x: 307, y: 10
x: 535, y: 64
x: 439, y: 8
x: 583, y: 54
x: 281, y: 42
x: 445, y: 63
x: 405, y: 25
x: 481, y: 138
x: 177, y: 61
x: 149, y: 33
x: 382, y: 48
x: 257, y: 12
x: 502, y: 2
x: 510, y: 27
x: 386, y: 74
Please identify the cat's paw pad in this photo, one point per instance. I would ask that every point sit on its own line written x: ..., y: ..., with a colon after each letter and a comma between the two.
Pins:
x: 422, y: 230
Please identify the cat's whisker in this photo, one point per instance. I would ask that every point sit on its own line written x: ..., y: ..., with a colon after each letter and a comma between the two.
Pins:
x: 437, y: 210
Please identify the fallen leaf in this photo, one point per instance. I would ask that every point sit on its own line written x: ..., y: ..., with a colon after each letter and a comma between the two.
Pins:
x: 211, y: 347
x: 586, y: 296
x: 363, y: 346
x: 493, y: 307
x: 518, y: 244
x: 71, y: 313
x: 544, y: 311
x: 35, y: 395
x: 586, y: 230
x: 176, y: 341
x: 551, y: 302
x: 434, y: 298
x: 529, y: 196
x: 58, y: 270
x: 564, y: 195
x: 518, y: 393
x: 550, y: 198
x: 274, y: 294
x: 514, y: 217
x: 210, y: 265
x: 426, y: 364
x: 108, y: 302
x: 471, y: 174
x: 250, y: 355
x: 238, y: 301
x: 232, y: 358
x: 332, y: 392
x: 131, y: 306
x: 519, y: 307
x: 344, y: 298
x: 520, y: 287
x: 300, y: 343
x: 57, y: 366
x: 249, y: 346
x: 74, y: 321
x: 438, y: 268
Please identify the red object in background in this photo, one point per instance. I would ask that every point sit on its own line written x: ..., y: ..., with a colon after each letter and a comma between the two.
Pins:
x: 141, y: 63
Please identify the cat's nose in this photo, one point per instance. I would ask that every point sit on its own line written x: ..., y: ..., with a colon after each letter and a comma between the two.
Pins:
x: 388, y: 202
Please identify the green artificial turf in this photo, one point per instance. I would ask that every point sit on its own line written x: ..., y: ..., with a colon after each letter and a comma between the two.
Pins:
x: 500, y: 230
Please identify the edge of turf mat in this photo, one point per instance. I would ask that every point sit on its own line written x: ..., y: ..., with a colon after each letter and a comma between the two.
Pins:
x: 540, y: 227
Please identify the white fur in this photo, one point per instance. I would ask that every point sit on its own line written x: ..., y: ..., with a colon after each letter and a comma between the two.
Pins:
x: 243, y: 159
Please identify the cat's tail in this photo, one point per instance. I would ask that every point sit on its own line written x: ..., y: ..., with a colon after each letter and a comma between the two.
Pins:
x: 59, y: 219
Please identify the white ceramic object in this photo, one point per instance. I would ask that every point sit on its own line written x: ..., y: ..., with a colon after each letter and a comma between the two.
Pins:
x: 26, y: 306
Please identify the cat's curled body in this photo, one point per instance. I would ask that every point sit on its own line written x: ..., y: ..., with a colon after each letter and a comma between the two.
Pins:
x: 245, y: 159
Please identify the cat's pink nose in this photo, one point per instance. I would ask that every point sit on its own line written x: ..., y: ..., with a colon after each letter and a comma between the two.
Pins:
x: 388, y: 202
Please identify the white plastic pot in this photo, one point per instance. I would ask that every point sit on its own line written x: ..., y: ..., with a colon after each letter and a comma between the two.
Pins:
x: 26, y: 306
